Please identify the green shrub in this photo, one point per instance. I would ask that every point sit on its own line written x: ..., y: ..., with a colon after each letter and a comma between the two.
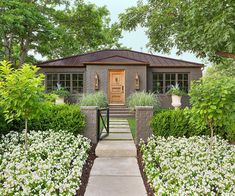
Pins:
x: 60, y: 117
x: 94, y: 99
x: 184, y: 122
x: 213, y: 99
x: 56, y: 117
x: 170, y: 123
x: 142, y: 99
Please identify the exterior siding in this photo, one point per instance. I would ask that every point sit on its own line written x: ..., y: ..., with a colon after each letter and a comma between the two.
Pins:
x: 103, y: 71
x: 144, y: 72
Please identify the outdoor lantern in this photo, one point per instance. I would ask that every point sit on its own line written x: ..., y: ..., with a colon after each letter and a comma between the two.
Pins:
x: 96, y: 82
x: 137, y: 82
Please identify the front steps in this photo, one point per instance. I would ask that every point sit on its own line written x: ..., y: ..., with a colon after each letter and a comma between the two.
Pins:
x: 120, y: 111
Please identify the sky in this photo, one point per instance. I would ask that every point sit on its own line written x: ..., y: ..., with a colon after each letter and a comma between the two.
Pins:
x: 137, y: 40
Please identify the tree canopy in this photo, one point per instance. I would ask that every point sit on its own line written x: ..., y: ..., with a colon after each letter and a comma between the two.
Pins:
x: 53, y: 28
x: 203, y: 27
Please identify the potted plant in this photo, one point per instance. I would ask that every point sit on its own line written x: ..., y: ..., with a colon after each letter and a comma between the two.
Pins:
x: 61, y: 94
x: 176, y: 95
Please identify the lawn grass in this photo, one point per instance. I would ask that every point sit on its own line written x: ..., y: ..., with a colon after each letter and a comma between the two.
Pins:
x: 132, y: 123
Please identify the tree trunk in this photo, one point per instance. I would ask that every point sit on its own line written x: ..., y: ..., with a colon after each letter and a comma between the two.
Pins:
x: 7, y: 43
x: 226, y: 54
x: 26, y: 134
x: 24, y: 47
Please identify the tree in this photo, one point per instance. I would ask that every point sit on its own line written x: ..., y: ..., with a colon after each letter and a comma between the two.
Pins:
x: 203, y: 27
x: 225, y: 68
x: 213, y: 99
x: 53, y: 28
x: 21, y: 93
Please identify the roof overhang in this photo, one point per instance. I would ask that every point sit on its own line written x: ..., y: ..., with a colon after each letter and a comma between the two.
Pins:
x: 115, y: 63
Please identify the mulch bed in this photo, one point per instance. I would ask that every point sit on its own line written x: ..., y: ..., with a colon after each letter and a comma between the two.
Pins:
x: 86, y: 171
x: 148, y: 188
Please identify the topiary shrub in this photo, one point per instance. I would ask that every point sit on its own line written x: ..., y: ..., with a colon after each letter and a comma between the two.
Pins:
x: 142, y: 99
x: 94, y: 99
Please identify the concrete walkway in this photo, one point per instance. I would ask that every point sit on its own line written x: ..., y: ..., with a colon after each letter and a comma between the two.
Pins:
x: 115, y: 171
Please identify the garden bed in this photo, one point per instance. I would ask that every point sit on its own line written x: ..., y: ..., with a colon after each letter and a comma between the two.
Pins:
x: 52, y: 165
x: 188, y: 166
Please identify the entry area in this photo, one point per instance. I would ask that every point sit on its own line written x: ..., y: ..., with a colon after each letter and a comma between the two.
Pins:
x: 116, y: 87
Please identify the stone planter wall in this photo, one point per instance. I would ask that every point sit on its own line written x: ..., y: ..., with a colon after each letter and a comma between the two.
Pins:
x: 90, y: 131
x: 143, y: 115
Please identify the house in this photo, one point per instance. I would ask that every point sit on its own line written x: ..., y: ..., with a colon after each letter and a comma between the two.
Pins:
x: 119, y: 73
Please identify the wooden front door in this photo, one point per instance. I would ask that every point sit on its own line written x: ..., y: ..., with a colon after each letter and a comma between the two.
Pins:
x: 117, y: 87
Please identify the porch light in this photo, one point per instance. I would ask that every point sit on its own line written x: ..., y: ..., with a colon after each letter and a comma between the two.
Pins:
x: 137, y: 82
x: 96, y: 82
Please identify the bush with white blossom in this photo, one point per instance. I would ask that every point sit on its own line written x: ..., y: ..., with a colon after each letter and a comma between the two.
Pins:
x: 51, y: 166
x: 188, y: 166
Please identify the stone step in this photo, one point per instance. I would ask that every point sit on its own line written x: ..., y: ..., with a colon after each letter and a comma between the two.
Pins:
x: 121, y: 115
x: 118, y: 126
x: 115, y: 166
x: 118, y: 123
x: 116, y: 136
x: 115, y: 149
x: 122, y: 130
x: 115, y: 186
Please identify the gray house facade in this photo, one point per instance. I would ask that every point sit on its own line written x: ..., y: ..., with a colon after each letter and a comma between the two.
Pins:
x: 118, y: 73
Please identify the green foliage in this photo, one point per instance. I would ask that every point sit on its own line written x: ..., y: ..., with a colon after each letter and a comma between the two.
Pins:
x: 61, y: 92
x: 172, y: 123
x: 60, y: 117
x: 226, y: 68
x: 21, y: 91
x: 203, y: 27
x: 175, y: 90
x: 213, y: 99
x: 142, y: 99
x: 45, y: 26
x: 185, y: 122
x: 56, y: 117
x: 94, y: 99
x: 132, y: 124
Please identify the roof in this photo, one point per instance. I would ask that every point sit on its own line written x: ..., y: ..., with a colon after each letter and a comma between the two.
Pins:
x: 123, y: 57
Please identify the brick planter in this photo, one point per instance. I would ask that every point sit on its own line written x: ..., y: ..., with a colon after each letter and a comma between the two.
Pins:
x: 143, y: 115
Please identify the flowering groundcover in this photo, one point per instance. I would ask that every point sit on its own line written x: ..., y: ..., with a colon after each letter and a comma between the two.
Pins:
x: 188, y: 166
x: 51, y: 166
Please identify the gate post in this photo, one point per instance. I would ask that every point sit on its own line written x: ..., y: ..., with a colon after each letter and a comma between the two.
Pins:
x: 143, y: 115
x: 90, y: 130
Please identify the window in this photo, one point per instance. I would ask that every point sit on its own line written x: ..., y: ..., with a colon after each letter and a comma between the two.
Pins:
x: 163, y: 81
x: 183, y: 81
x: 52, y: 80
x: 73, y: 82
x: 64, y: 80
x: 158, y: 82
x: 77, y: 83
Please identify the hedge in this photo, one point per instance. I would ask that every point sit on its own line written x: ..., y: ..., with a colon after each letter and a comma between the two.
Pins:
x: 182, y: 122
x: 56, y: 117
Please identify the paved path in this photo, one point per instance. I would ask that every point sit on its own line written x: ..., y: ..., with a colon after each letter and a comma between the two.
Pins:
x: 115, y: 171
